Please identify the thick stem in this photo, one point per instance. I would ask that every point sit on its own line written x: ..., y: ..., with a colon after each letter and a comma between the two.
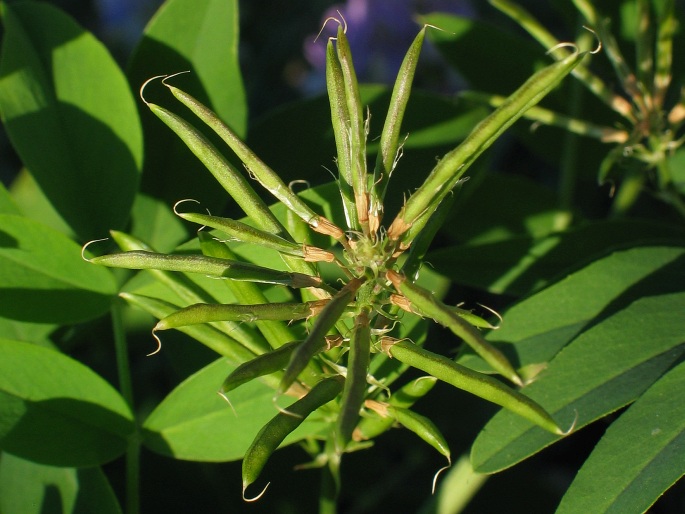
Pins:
x: 126, y: 388
x: 329, y: 492
x: 330, y: 480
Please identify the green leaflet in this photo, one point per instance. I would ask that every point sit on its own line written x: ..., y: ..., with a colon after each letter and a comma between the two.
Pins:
x: 77, y: 418
x: 60, y: 85
x: 621, y: 356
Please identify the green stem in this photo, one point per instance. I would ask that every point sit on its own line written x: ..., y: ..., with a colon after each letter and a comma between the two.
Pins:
x: 569, y: 156
x: 666, y: 189
x: 126, y: 388
x: 327, y: 500
x: 133, y: 476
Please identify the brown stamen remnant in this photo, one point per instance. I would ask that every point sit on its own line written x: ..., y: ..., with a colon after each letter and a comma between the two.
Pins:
x: 315, y: 254
x: 333, y: 341
x: 614, y: 136
x: 296, y: 390
x: 327, y: 228
x: 387, y: 342
x: 397, y: 228
x: 395, y: 278
x: 316, y: 307
x: 400, y: 250
x: 677, y: 114
x: 374, y: 223
x: 321, y: 294
x: 361, y: 200
x: 379, y: 408
x: 358, y: 436
x: 401, y: 302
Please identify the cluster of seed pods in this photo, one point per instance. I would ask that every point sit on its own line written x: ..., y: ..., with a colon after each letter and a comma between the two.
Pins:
x: 350, y: 325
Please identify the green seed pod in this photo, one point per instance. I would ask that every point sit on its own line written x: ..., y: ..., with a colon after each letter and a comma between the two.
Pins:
x: 340, y: 119
x: 262, y: 365
x: 667, y: 26
x: 355, y: 382
x: 591, y: 81
x: 221, y: 268
x: 404, y: 397
x: 208, y: 313
x: 389, y: 142
x: 244, y: 233
x: 471, y: 318
x: 185, y: 288
x: 316, y: 340
x: 411, y: 392
x: 230, y: 179
x: 426, y: 430
x: 275, y: 431
x: 356, y: 130
x: 275, y: 332
x: 427, y: 305
x: 452, y: 166
x: 190, y: 293
x: 212, y: 338
x: 256, y: 167
x: 422, y: 427
x: 473, y: 382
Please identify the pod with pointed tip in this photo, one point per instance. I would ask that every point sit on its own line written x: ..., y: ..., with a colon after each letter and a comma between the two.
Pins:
x: 190, y: 292
x: 447, y: 173
x: 356, y: 130
x: 389, y: 141
x: 422, y: 427
x: 316, y: 340
x: 275, y: 332
x: 256, y: 167
x: 211, y: 312
x: 214, y: 339
x: 427, y: 305
x: 220, y: 268
x: 340, y: 121
x: 244, y: 233
x: 265, y: 364
x: 404, y: 397
x: 280, y: 426
x: 230, y: 179
x: 473, y: 382
x: 355, y: 382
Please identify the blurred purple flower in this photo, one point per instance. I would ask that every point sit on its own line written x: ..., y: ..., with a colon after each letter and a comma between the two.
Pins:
x: 122, y: 21
x: 379, y: 31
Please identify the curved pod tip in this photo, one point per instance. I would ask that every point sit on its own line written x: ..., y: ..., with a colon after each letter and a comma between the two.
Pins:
x: 255, y: 498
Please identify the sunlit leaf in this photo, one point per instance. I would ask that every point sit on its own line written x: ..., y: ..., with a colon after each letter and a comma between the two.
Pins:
x: 43, y: 277
x: 59, y: 86
x: 56, y: 411
x: 195, y: 423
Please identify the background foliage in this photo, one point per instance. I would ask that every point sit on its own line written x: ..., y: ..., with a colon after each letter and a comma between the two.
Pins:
x: 592, y: 295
